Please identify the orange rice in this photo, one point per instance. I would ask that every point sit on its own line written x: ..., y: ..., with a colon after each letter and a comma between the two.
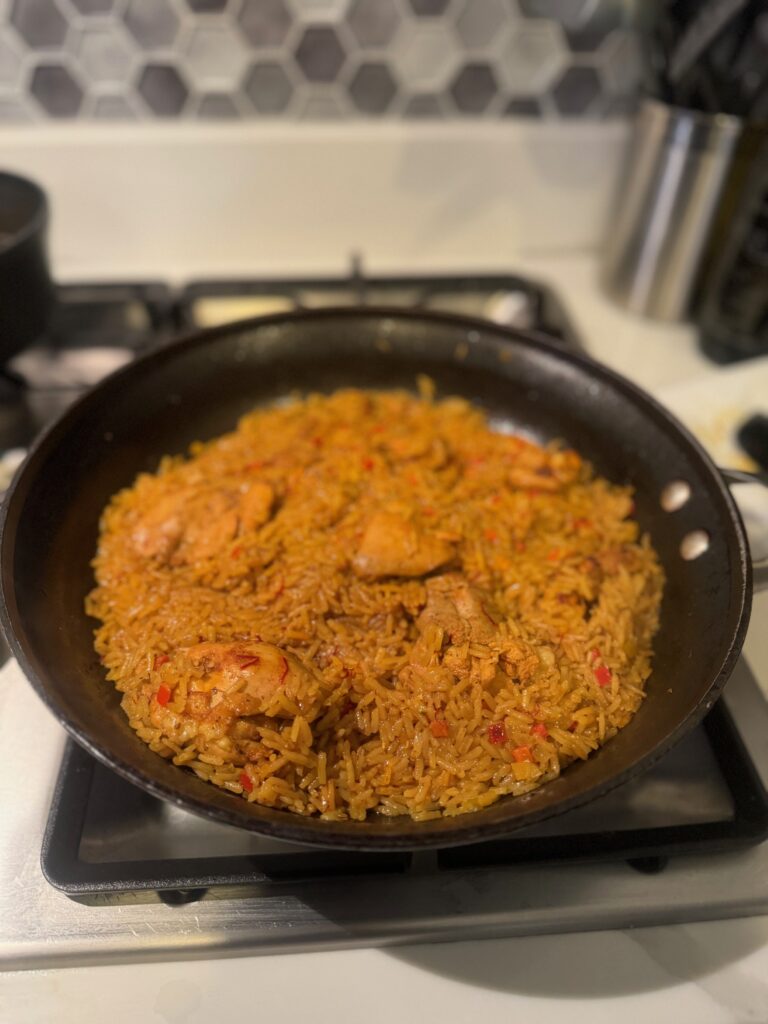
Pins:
x: 372, y: 603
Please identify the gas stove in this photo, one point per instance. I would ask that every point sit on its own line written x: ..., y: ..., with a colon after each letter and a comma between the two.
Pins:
x: 93, y: 870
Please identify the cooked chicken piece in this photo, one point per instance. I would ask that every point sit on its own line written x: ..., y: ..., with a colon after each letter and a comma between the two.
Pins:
x: 210, y: 525
x: 252, y: 677
x: 255, y: 506
x: 542, y: 479
x: 188, y: 527
x: 459, y: 610
x: 231, y: 682
x: 160, y: 530
x: 521, y: 660
x: 393, y: 546
x: 537, y: 469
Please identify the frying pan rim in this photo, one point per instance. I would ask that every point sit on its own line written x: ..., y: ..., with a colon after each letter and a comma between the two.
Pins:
x: 356, y: 835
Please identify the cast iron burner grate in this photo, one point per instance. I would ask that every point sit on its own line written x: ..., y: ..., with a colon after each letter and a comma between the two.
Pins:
x: 98, y: 327
x: 502, y: 298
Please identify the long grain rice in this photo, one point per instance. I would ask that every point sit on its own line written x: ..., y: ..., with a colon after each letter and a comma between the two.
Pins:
x: 395, y: 712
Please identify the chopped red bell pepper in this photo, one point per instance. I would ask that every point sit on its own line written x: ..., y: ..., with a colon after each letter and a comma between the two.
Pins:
x: 522, y: 754
x: 246, y: 660
x: 439, y: 728
x: 539, y: 729
x: 246, y: 782
x: 159, y: 660
x: 491, y: 535
x: 368, y: 463
x: 163, y: 695
x: 497, y: 733
x: 554, y: 555
x: 603, y: 675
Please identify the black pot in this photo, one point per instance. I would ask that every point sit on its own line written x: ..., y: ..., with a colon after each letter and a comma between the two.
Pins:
x: 199, y: 387
x: 27, y: 293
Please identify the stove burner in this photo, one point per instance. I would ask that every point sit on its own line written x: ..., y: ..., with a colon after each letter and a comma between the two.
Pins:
x: 502, y: 298
x: 680, y: 843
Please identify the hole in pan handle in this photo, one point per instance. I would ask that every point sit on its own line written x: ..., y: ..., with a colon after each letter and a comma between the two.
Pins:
x: 740, y: 476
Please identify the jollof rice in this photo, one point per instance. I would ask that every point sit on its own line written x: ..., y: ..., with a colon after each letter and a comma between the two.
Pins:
x: 373, y: 603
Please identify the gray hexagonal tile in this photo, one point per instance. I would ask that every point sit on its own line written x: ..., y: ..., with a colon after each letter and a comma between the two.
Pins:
x: 619, y: 106
x: 570, y: 13
x: 327, y: 11
x: 523, y: 106
x: 113, y: 108
x: 430, y: 8
x: 372, y: 88
x: 373, y: 22
x: 88, y: 7
x: 163, y: 89
x: 215, y: 57
x: 590, y: 38
x: 425, y: 57
x: 152, y: 23
x: 319, y: 54
x: 576, y: 91
x: 621, y: 62
x: 207, y: 7
x: 532, y: 58
x: 13, y: 111
x: 217, y: 106
x: 105, y: 54
x: 40, y: 23
x: 479, y: 24
x: 264, y: 22
x: 268, y: 88
x: 473, y: 88
x: 320, y: 107
x: 423, y: 106
x: 56, y: 90
x: 10, y: 61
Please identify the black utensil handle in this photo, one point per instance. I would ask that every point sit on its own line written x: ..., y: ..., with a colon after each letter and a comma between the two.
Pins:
x: 740, y: 476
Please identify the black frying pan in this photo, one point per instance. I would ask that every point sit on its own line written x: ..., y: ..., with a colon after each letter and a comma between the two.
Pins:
x: 198, y: 387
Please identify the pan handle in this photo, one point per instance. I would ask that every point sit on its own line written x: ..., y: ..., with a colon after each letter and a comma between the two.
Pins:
x: 740, y: 476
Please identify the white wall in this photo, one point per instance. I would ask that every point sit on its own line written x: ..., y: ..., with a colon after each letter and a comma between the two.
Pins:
x: 188, y: 200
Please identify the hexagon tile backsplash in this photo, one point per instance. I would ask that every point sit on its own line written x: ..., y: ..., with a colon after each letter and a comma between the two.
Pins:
x: 316, y: 59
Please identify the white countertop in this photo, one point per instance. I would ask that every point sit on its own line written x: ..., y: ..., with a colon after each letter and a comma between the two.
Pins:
x: 710, y: 973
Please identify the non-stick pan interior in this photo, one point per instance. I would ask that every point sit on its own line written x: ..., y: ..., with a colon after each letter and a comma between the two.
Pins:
x: 198, y: 388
